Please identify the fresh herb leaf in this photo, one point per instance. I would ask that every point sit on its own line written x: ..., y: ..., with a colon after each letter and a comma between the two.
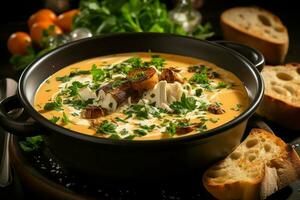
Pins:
x: 74, y: 88
x: 185, y: 105
x: 107, y: 127
x: 222, y: 84
x: 198, y: 92
x: 65, y: 119
x: 63, y: 79
x: 140, y: 132
x: 158, y: 62
x: 142, y: 111
x: 56, y: 105
x: 171, y: 128
x: 98, y: 74
x: 118, y: 119
x: 148, y: 128
x: 31, y: 143
x: 237, y: 107
x: 54, y: 119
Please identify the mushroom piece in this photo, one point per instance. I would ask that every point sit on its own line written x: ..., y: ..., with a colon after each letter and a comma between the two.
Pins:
x: 181, y: 130
x: 143, y: 78
x: 170, y: 76
x: 93, y: 112
x: 214, y: 109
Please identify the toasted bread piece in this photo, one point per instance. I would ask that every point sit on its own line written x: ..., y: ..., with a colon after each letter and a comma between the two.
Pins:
x: 257, y: 28
x: 259, y: 166
x: 281, y: 102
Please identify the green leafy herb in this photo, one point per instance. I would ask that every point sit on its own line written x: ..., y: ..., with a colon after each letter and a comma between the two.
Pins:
x: 214, y: 120
x: 148, y: 128
x: 158, y: 62
x: 140, y: 132
x: 56, y: 105
x: 63, y: 79
x: 237, y: 107
x: 107, y: 127
x: 74, y: 88
x: 221, y: 84
x: 108, y: 16
x: 118, y: 119
x: 142, y: 111
x: 54, y: 119
x: 31, y: 143
x: 198, y: 92
x: 171, y: 128
x: 65, y: 118
x: 185, y: 105
x: 98, y: 74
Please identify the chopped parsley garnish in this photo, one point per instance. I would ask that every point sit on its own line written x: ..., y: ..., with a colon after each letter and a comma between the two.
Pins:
x: 98, y: 74
x: 142, y: 111
x: 140, y: 132
x: 118, y: 83
x: 199, y: 78
x: 222, y: 84
x: 148, y: 128
x: 107, y: 127
x: 118, y: 119
x: 67, y: 78
x: 198, y: 68
x: 158, y: 62
x: 49, y: 90
x: 65, y: 119
x: 54, y: 119
x: 214, y: 120
x: 63, y: 79
x: 237, y: 107
x: 123, y: 132
x: 74, y: 88
x: 218, y: 104
x: 56, y: 105
x: 198, y: 92
x: 183, y: 123
x: 171, y: 129
x: 202, y: 128
x: 135, y: 62
x: 185, y: 105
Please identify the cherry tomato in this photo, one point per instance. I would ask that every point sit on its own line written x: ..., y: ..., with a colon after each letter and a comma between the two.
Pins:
x: 37, y: 31
x: 65, y: 20
x: 18, y: 43
x: 42, y: 16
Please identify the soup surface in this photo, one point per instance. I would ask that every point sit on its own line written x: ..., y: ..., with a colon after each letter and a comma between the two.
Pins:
x: 141, y: 96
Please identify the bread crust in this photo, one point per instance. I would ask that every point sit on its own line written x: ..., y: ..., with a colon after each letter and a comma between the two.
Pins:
x: 279, y: 110
x: 276, y: 173
x: 273, y: 51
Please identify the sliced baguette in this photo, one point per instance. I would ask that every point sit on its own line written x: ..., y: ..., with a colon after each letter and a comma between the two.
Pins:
x: 259, y: 166
x: 281, y: 102
x: 257, y: 28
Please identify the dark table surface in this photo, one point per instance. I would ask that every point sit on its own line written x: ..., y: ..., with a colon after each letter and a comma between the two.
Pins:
x: 16, y: 21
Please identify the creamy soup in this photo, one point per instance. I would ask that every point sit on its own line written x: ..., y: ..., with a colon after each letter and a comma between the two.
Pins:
x: 141, y: 96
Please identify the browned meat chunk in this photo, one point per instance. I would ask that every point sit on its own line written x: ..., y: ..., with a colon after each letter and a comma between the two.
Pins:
x: 181, y: 130
x: 215, y: 109
x: 170, y: 76
x: 93, y: 112
x: 143, y: 78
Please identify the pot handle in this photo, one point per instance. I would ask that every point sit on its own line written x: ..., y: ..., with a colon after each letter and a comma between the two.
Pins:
x: 250, y: 53
x: 13, y: 126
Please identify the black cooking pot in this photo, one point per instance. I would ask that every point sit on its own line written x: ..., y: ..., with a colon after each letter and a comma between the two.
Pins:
x: 130, y: 159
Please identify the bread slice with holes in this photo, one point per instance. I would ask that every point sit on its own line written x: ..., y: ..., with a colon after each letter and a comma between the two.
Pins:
x: 257, y: 28
x: 281, y: 101
x: 259, y: 166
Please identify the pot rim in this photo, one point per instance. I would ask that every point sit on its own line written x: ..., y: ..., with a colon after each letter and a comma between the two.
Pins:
x: 88, y: 138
